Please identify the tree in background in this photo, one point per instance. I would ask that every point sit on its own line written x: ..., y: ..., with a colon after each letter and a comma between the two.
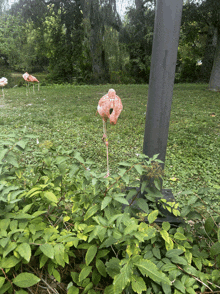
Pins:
x: 138, y: 36
x: 206, y: 14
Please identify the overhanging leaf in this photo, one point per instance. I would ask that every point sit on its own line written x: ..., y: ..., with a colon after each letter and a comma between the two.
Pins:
x: 25, y: 280
x: 47, y: 250
x: 50, y: 196
x: 24, y: 250
x: 91, y: 211
x: 84, y: 273
x: 148, y: 268
x: 90, y: 254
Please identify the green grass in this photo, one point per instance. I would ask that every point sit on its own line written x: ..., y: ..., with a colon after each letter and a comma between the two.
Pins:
x: 66, y: 115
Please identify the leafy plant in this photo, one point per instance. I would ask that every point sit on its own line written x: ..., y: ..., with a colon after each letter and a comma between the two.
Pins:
x: 59, y: 217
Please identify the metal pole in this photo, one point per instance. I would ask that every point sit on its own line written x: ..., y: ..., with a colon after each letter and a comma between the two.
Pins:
x: 163, y: 63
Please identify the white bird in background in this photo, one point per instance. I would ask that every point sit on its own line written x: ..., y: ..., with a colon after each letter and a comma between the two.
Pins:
x: 3, y: 82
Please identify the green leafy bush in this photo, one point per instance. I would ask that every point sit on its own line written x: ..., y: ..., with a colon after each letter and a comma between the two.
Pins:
x: 64, y: 226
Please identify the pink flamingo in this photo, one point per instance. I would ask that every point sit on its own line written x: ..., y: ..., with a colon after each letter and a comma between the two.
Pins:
x: 3, y: 82
x: 30, y: 79
x: 109, y: 107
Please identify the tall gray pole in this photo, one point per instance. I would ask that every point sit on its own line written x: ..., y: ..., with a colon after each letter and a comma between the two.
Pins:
x: 163, y: 63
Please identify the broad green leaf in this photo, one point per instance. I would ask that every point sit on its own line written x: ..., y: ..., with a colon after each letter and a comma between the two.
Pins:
x: 143, y: 186
x: 190, y: 290
x: 25, y: 280
x: 9, y: 262
x: 165, y: 236
x: 84, y: 273
x: 142, y: 204
x: 78, y: 157
x: 88, y: 287
x: 109, y: 290
x: 27, y: 207
x: 73, y: 290
x: 59, y: 254
x: 21, y: 144
x: 121, y: 200
x: 61, y: 159
x: 131, y: 228
x: 139, y: 168
x: 131, y: 193
x: 113, y: 267
x: 179, y: 260
x: 4, y: 223
x: 90, y: 254
x: 33, y: 191
x: 157, y: 184
x: 96, y: 277
x: 105, y: 202
x: 156, y: 252
x: 50, y: 196
x: 43, y: 260
x: 166, y: 288
x: 179, y: 285
x: 174, y: 252
x: 2, y: 153
x: 215, y: 249
x: 4, y: 242
x: 91, y: 211
x: 5, y: 288
x: 102, y: 253
x: 11, y: 158
x: 101, y: 267
x: 24, y: 250
x: 123, y: 278
x: 152, y: 216
x: 166, y: 226
x: 168, y: 267
x: 188, y: 256
x: 138, y: 284
x: 56, y: 275
x: 148, y: 268
x: 47, y: 250
x: 122, y: 171
x: 2, y: 280
x: 37, y: 213
x: 74, y: 169
x: 179, y: 236
x: 209, y: 225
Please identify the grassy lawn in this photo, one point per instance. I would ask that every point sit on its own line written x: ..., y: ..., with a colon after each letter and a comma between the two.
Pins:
x: 66, y: 115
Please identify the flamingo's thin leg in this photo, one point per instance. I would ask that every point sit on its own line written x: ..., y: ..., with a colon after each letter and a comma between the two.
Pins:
x: 105, y: 140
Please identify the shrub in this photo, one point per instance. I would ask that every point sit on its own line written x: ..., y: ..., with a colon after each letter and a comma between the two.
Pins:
x: 61, y: 218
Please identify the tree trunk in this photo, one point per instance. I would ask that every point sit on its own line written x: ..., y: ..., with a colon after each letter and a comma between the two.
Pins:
x: 138, y: 4
x: 99, y: 63
x: 162, y: 73
x: 214, y: 82
x: 207, y: 61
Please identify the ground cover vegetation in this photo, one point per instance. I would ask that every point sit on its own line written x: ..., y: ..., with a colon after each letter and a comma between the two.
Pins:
x: 67, y: 229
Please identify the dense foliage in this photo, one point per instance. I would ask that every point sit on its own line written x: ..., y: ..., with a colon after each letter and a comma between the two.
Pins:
x: 89, y: 42
x: 65, y: 227
x: 62, y: 219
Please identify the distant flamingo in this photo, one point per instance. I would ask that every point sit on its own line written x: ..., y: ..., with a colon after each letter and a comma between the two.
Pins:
x: 30, y: 79
x: 109, y: 106
x: 3, y: 82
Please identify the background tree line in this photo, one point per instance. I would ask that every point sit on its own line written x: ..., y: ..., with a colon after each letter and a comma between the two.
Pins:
x: 87, y: 41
